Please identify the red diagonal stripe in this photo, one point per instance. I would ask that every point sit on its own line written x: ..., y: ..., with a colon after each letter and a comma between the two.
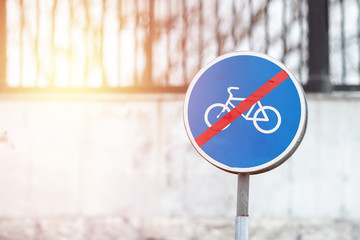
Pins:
x: 241, y: 108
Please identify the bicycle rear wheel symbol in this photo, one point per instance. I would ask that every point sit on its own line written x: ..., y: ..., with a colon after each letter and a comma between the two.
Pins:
x: 218, y: 110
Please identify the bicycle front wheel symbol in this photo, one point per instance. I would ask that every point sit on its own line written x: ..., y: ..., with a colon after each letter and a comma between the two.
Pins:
x: 267, y: 119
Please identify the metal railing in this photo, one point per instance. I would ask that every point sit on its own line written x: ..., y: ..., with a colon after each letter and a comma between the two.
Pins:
x: 159, y: 45
x: 344, y: 39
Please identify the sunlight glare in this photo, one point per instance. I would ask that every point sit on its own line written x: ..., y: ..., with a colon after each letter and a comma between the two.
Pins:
x: 73, y: 54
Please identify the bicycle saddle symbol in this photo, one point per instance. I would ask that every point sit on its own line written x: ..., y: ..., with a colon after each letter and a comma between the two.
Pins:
x: 220, y: 109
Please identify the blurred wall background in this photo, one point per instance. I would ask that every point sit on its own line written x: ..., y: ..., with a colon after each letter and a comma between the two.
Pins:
x: 109, y: 167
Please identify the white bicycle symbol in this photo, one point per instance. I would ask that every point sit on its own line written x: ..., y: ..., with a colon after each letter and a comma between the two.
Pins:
x: 224, y: 108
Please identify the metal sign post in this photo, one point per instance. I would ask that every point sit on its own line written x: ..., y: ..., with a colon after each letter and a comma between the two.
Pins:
x: 242, y: 208
x: 245, y: 113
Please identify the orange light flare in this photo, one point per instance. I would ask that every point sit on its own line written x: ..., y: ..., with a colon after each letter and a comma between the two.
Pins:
x: 64, y: 50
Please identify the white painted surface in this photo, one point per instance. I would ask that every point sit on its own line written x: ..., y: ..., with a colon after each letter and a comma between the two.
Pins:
x: 130, y: 156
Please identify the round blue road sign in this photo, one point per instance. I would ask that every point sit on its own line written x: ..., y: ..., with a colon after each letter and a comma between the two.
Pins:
x: 245, y: 113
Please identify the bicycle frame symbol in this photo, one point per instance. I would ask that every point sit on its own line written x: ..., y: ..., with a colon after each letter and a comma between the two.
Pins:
x: 224, y: 108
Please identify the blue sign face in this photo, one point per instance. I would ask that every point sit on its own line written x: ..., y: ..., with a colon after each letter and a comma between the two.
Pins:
x: 245, y: 113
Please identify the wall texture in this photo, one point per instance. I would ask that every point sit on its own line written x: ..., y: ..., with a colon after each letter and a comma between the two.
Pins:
x: 123, y: 168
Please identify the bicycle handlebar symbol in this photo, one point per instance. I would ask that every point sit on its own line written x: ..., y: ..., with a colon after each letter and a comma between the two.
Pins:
x: 222, y: 108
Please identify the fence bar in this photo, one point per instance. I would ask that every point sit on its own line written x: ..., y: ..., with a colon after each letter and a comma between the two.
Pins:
x: 343, y: 46
x: 2, y: 44
x: 104, y: 80
x: 217, y: 29
x: 149, y: 46
x: 53, y: 30
x: 21, y: 41
x: 86, y: 42
x: 358, y: 39
x: 37, y: 44
x: 251, y: 26
x: 266, y: 25
x: 301, y: 15
x: 284, y: 30
x: 118, y: 52
x: 318, y: 46
x: 169, y: 24
x: 136, y: 40
x: 201, y: 35
x: 184, y: 39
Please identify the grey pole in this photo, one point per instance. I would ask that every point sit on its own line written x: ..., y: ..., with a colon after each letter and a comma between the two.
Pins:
x: 318, y: 20
x: 242, y: 208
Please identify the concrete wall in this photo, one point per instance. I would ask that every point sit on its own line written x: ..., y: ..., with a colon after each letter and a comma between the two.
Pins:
x: 116, y: 161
